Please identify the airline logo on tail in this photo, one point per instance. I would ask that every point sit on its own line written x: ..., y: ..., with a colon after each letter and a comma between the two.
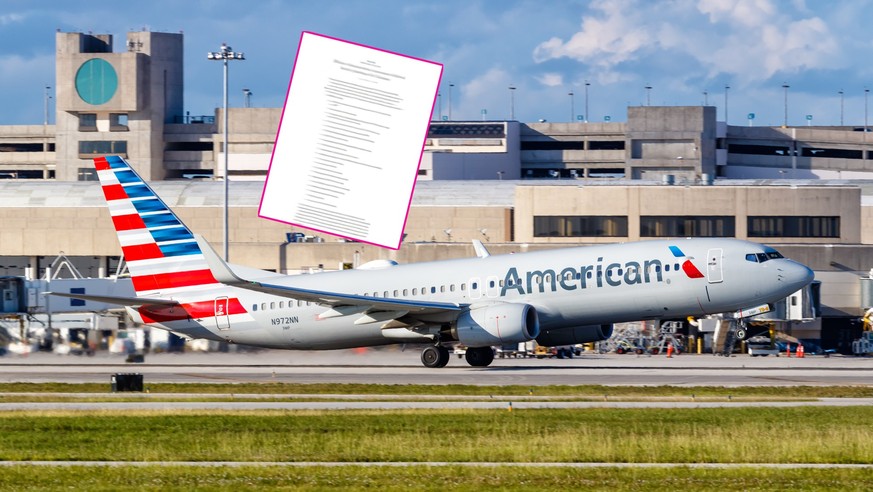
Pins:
x: 161, y: 252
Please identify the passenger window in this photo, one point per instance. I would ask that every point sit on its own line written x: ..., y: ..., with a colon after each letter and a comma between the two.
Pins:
x: 491, y: 284
x: 452, y: 288
x: 474, y: 285
x: 589, y: 274
x: 442, y: 288
x: 281, y: 304
x: 415, y: 291
x: 405, y: 292
x: 254, y: 307
x: 676, y: 267
x: 396, y: 293
x: 433, y: 290
x: 386, y: 294
x: 263, y: 306
x: 619, y: 272
x: 667, y: 267
x: 463, y: 287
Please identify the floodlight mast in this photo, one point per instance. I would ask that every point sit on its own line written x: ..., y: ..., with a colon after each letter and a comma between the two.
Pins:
x: 225, y: 54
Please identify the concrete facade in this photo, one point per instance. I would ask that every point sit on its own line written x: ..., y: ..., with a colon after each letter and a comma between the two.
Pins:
x: 116, y: 103
x: 739, y: 202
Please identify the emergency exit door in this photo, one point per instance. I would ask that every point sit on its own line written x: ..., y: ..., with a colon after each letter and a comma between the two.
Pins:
x: 715, y: 265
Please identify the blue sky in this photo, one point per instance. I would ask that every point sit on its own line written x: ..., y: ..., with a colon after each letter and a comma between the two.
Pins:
x: 545, y: 49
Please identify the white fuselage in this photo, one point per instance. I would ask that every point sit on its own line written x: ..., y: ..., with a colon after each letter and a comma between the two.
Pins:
x: 567, y: 287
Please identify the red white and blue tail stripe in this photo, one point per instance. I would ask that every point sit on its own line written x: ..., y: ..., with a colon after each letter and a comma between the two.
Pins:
x: 160, y: 250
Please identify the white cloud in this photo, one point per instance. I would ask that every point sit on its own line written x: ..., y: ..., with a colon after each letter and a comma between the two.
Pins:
x: 13, y: 18
x: 606, y: 41
x: 749, y: 40
x: 551, y: 79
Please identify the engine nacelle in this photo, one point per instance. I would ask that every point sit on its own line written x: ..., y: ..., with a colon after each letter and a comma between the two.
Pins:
x: 496, y: 324
x: 574, y: 335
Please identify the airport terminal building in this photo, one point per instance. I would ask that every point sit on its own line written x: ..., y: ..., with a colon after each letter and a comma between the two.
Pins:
x: 665, y: 172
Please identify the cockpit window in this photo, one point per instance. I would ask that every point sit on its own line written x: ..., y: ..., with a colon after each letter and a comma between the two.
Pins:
x: 768, y: 254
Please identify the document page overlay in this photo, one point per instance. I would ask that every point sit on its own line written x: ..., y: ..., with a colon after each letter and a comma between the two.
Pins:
x: 350, y: 140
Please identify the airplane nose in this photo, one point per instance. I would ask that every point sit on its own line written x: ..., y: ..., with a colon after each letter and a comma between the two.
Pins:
x: 797, y: 275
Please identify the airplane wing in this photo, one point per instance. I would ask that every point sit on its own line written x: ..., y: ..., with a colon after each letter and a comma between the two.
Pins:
x: 225, y: 275
x: 121, y: 301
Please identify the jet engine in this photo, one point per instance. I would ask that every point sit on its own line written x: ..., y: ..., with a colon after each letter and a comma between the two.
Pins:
x: 496, y: 324
x: 574, y: 335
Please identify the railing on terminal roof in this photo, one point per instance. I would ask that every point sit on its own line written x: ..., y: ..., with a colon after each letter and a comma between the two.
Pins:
x: 466, y: 130
x: 194, y: 119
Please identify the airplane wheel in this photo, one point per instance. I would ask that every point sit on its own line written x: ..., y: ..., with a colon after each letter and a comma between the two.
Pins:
x: 741, y: 334
x: 435, y: 356
x: 639, y: 351
x: 619, y: 350
x: 480, y: 356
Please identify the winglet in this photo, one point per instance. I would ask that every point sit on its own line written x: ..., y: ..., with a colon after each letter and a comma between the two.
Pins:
x: 480, y: 249
x: 217, y: 266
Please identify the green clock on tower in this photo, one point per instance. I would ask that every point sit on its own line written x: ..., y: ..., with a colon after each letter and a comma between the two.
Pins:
x: 96, y: 81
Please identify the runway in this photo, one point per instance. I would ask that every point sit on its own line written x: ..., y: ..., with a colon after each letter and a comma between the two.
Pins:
x: 391, y: 366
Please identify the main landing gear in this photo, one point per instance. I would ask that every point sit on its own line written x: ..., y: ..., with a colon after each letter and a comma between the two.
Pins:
x: 479, y: 356
x: 435, y: 356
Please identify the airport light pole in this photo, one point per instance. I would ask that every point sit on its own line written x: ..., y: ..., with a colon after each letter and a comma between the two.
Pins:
x: 785, y: 87
x: 225, y: 54
x: 726, y: 88
x: 247, y: 98
x: 866, y: 93
x: 585, y: 116
x: 840, y: 92
x: 705, y: 98
x: 511, y: 102
x: 572, y: 106
x: 450, y: 100
x: 648, y: 95
x: 47, y: 98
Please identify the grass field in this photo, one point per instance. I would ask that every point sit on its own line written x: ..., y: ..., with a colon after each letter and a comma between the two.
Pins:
x: 425, y: 478
x: 796, y: 435
x: 732, y: 435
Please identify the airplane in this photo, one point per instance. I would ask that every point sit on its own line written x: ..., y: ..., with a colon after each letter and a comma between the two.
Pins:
x: 556, y: 297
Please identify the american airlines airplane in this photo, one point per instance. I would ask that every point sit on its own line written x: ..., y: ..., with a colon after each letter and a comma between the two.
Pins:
x: 556, y: 297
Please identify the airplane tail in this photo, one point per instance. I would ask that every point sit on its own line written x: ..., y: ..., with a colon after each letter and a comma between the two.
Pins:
x: 161, y: 253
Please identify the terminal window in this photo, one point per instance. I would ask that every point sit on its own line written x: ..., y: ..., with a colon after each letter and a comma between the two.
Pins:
x: 793, y: 226
x: 90, y: 148
x: 687, y: 226
x: 87, y: 122
x: 580, y: 226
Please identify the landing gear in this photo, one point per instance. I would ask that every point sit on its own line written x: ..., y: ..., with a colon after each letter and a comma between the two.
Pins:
x: 435, y: 356
x: 479, y: 356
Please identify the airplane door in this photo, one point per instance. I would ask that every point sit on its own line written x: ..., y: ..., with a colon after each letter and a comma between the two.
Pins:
x: 475, y: 288
x: 222, y: 321
x: 714, y: 265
